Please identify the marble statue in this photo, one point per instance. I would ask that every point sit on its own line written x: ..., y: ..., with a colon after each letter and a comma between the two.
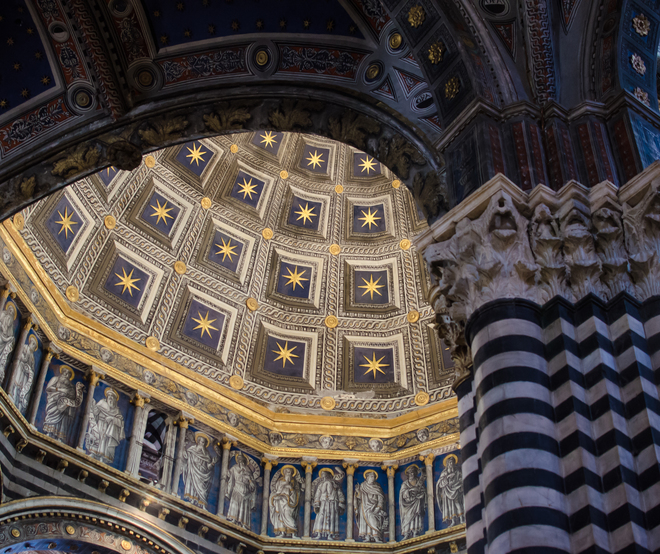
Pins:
x: 412, y: 503
x: 242, y: 490
x: 329, y: 503
x: 449, y: 492
x: 198, y: 469
x: 106, y: 427
x: 61, y: 403
x: 7, y: 339
x: 20, y: 393
x: 285, y: 491
x: 370, y: 508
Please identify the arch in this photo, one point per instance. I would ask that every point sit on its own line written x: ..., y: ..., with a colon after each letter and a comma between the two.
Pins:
x: 63, y: 521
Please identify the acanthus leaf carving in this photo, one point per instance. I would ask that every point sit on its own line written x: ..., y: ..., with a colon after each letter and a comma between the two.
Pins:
x: 611, y: 250
x: 352, y: 128
x: 163, y: 130
x: 229, y: 117
x: 294, y: 115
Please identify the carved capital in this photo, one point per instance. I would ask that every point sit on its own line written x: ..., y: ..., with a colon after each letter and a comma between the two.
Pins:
x: 183, y: 422
x: 390, y: 470
x: 428, y: 459
x: 350, y: 468
x: 93, y: 377
x: 228, y: 443
x: 269, y: 464
x: 308, y: 466
x: 140, y: 400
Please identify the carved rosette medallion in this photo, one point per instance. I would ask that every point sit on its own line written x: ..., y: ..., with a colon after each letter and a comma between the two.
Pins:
x: 150, y: 161
x: 72, y: 293
x: 331, y: 322
x: 641, y: 24
x: 110, y: 222
x: 236, y: 382
x: 638, y: 64
x: 422, y: 398
x: 451, y: 88
x: 642, y: 96
x: 152, y: 343
x: 416, y: 16
x: 436, y: 52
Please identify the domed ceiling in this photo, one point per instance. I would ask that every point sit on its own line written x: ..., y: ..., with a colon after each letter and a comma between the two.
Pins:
x: 277, y: 264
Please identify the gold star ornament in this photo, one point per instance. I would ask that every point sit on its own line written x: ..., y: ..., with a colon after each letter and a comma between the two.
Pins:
x: 305, y: 213
x: 285, y: 353
x: 369, y: 218
x: 269, y: 139
x: 127, y: 282
x: 247, y: 189
x: 66, y: 222
x: 315, y: 159
x: 374, y: 365
x: 204, y: 323
x: 371, y: 286
x: 227, y: 249
x: 295, y: 278
x: 367, y: 164
x: 196, y: 154
x: 161, y: 212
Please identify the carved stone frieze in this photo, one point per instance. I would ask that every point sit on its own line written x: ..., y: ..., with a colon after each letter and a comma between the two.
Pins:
x: 504, y: 243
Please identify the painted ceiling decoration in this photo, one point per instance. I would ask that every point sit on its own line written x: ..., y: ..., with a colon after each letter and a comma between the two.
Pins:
x: 280, y: 261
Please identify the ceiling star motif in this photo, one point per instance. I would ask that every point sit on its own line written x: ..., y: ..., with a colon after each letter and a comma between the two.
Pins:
x: 368, y: 164
x: 66, y: 222
x: 305, y: 213
x: 294, y: 278
x: 371, y: 286
x: 204, y: 323
x: 315, y: 159
x: 196, y: 154
x: 285, y: 353
x: 268, y: 139
x: 370, y: 218
x: 161, y: 212
x: 374, y: 365
x: 227, y: 249
x: 247, y: 189
x: 127, y: 281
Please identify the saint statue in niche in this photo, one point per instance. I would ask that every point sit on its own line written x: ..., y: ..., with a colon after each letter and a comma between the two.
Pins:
x: 106, y: 427
x: 20, y: 393
x: 284, y: 501
x: 198, y: 466
x: 7, y: 339
x: 449, y: 492
x: 329, y: 503
x: 370, y: 508
x: 242, y: 490
x: 412, y: 503
x: 61, y: 403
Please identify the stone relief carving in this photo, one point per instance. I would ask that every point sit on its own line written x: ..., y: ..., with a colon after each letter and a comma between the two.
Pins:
x: 20, y: 393
x: 7, y: 339
x: 198, y: 469
x: 62, y: 400
x: 611, y: 250
x: 449, y: 492
x: 370, y: 505
x: 546, y: 242
x: 284, y: 502
x: 242, y: 489
x: 106, y: 427
x: 412, y: 502
x: 329, y: 503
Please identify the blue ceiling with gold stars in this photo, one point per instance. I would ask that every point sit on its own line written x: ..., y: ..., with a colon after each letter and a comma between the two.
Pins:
x: 24, y: 68
x: 176, y: 22
x: 290, y: 266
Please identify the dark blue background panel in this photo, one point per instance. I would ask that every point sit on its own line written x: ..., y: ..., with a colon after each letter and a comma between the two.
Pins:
x: 305, y: 214
x: 369, y: 219
x: 194, y: 156
x: 247, y: 189
x: 64, y: 224
x: 225, y: 251
x: 315, y: 159
x: 373, y: 365
x: 294, y: 280
x: 371, y: 287
x: 365, y: 165
x: 127, y: 281
x: 285, y: 357
x: 160, y: 213
x: 270, y: 141
x: 203, y: 324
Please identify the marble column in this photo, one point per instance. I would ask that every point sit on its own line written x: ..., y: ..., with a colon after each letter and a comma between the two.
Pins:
x: 52, y: 351
x: 430, y: 508
x: 391, y: 472
x: 137, y: 434
x: 227, y: 443
x: 350, y: 516
x: 93, y: 376
x: 308, y: 464
x: 168, y: 455
x: 28, y: 325
x: 183, y: 422
x: 269, y: 464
